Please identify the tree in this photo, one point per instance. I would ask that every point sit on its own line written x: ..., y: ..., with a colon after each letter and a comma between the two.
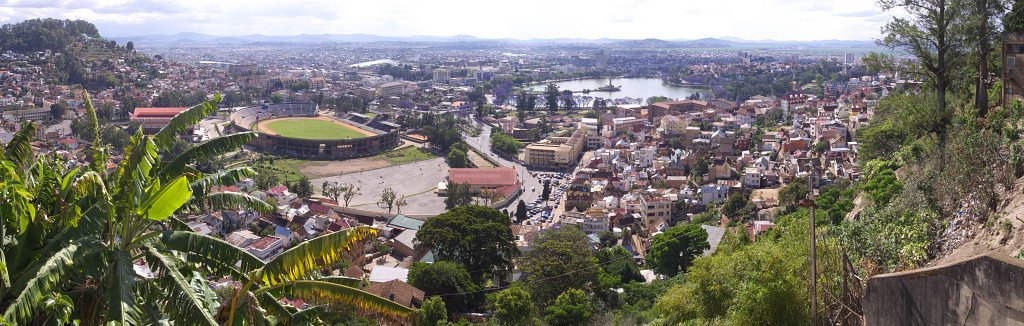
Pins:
x: 448, y: 279
x: 933, y: 33
x: 551, y: 96
x: 387, y: 199
x: 734, y: 205
x: 560, y: 259
x: 400, y: 202
x: 656, y: 99
x: 348, y: 192
x: 276, y: 98
x: 433, y: 312
x: 513, y: 307
x: 674, y: 250
x: 546, y: 193
x: 571, y: 308
x: 456, y: 158
x: 331, y: 190
x: 58, y: 110
x: 478, y: 237
x: 567, y: 100
x: 521, y: 211
x: 700, y: 167
x: 608, y: 239
x: 619, y: 265
x: 130, y: 46
x: 792, y: 193
x: 458, y: 194
x: 984, y: 10
x: 303, y: 188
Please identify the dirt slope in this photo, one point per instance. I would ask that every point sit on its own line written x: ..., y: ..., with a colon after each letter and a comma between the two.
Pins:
x: 1004, y: 233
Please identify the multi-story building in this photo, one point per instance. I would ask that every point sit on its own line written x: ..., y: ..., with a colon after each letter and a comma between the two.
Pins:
x: 579, y: 196
x: 266, y: 247
x: 601, y: 61
x: 673, y: 125
x: 441, y: 76
x: 657, y: 211
x: 595, y: 220
x: 556, y: 151
x: 1013, y: 73
x: 392, y: 89
x: 27, y: 115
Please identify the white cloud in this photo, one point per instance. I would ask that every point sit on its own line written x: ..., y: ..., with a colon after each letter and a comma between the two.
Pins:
x: 634, y: 19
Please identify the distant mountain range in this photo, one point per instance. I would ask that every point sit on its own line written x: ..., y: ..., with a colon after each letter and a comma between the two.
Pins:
x: 188, y: 38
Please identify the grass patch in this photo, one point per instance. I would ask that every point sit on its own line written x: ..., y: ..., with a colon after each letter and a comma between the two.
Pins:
x: 312, y: 129
x: 370, y: 114
x: 406, y: 155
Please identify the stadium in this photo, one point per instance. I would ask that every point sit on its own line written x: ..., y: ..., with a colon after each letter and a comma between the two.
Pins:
x: 295, y: 129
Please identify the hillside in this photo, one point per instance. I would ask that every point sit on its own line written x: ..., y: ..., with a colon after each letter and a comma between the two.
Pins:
x: 45, y: 34
x: 1001, y: 233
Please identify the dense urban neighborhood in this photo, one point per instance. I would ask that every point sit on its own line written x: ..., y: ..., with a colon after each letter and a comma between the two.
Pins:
x: 395, y: 181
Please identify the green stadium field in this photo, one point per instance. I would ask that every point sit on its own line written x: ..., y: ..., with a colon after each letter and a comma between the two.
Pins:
x: 312, y: 128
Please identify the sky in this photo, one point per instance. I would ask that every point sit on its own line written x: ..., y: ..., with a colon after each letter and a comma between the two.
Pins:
x: 522, y: 19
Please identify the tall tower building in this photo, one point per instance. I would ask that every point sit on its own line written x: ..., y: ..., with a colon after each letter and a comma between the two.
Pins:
x: 601, y: 61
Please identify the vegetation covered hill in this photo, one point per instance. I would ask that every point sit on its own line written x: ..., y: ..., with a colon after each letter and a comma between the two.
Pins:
x: 45, y: 34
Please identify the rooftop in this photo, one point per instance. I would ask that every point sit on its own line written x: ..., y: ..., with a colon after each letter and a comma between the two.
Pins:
x: 157, y: 112
x: 483, y: 176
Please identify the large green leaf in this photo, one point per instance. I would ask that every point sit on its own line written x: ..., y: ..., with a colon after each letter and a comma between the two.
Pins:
x: 43, y: 281
x: 166, y: 200
x: 339, y: 296
x: 165, y: 137
x: 299, y: 261
x: 134, y: 171
x: 225, y: 200
x: 122, y: 305
x: 182, y: 304
x: 19, y: 149
x: 209, y: 149
x: 90, y: 115
x: 211, y: 248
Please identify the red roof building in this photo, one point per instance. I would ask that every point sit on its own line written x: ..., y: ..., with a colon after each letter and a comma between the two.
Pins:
x: 153, y: 119
x: 484, y: 177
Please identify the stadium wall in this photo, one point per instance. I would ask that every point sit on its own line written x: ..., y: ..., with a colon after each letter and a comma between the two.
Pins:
x: 244, y: 119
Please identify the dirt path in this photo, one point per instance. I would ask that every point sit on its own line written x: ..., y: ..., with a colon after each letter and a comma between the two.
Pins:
x: 262, y: 125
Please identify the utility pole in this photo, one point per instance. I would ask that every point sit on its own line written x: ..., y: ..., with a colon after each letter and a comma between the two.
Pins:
x: 809, y: 203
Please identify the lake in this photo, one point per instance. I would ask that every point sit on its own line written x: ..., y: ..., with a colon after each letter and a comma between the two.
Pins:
x: 631, y: 87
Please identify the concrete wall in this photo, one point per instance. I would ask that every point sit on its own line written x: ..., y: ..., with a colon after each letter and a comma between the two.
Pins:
x: 984, y: 290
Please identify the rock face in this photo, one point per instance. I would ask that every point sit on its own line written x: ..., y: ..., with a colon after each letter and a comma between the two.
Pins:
x: 984, y: 290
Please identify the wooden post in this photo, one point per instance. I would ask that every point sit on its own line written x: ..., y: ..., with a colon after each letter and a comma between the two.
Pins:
x: 809, y: 203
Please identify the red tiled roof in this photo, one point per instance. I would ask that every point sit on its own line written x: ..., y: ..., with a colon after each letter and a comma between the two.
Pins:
x: 264, y: 243
x: 490, y: 176
x: 157, y: 112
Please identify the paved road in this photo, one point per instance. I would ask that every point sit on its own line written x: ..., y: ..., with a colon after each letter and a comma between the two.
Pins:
x: 414, y: 180
x: 532, y: 187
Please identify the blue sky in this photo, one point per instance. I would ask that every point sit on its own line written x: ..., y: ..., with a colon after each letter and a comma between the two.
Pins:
x: 522, y: 19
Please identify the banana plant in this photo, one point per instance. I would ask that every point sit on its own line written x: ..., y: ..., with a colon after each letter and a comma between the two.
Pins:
x: 79, y: 232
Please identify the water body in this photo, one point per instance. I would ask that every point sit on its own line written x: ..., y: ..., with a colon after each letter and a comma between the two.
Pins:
x: 631, y: 87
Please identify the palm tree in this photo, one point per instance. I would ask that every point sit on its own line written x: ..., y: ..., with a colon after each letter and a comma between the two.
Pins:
x: 90, y: 235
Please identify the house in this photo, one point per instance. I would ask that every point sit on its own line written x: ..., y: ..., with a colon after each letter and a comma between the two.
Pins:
x: 241, y: 238
x: 266, y: 248
x: 216, y: 222
x: 200, y: 227
x: 712, y: 193
x: 282, y: 195
x: 399, y: 292
x: 405, y: 243
x: 751, y: 178
x: 285, y: 234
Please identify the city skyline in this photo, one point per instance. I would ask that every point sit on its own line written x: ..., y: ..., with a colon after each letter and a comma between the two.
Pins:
x: 525, y: 20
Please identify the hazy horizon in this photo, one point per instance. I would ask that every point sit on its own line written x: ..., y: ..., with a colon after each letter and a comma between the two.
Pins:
x: 778, y: 20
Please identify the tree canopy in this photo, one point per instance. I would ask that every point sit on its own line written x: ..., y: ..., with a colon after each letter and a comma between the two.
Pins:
x: 477, y: 237
x: 673, y: 252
